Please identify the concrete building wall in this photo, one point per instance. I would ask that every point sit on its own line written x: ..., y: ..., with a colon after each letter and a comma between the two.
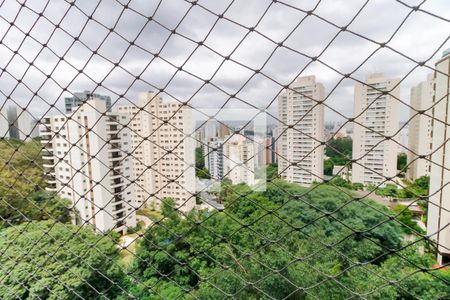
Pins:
x: 85, y: 161
x: 376, y: 117
x: 419, y: 136
x: 214, y: 158
x: 439, y: 201
x: 240, y: 160
x: 79, y: 98
x: 163, y: 148
x: 301, y: 130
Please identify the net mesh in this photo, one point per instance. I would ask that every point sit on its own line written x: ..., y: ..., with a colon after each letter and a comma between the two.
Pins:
x: 116, y: 198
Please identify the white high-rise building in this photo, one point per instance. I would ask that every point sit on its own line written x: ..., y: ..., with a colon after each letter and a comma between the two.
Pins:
x: 137, y: 150
x: 79, y: 98
x: 163, y: 151
x: 419, y: 136
x: 438, y: 227
x: 300, y: 153
x: 85, y: 158
x: 240, y: 160
x: 376, y: 118
x: 214, y: 159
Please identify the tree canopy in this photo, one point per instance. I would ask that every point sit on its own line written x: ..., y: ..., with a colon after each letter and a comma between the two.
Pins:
x: 285, y: 242
x: 47, y: 260
x: 22, y: 183
x: 402, y: 161
x: 339, y: 150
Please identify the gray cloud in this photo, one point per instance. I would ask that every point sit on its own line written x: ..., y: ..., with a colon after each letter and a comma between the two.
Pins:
x: 419, y: 37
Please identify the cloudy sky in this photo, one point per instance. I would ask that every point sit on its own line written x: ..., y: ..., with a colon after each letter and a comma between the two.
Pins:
x: 51, y: 48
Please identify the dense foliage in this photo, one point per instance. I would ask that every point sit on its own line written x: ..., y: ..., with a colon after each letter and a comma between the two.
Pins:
x: 405, y: 216
x: 286, y: 242
x: 338, y: 181
x: 22, y: 183
x: 199, y: 158
x: 200, y: 169
x: 269, y: 172
x: 418, y: 188
x: 402, y: 161
x: 328, y: 166
x: 43, y: 260
x: 339, y: 150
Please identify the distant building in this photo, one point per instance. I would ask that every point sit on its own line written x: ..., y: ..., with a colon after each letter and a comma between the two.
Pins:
x: 265, y: 150
x: 81, y: 97
x: 214, y: 159
x: 224, y: 131
x: 85, y: 159
x: 438, y: 227
x: 210, y: 129
x: 23, y: 125
x: 199, y: 137
x: 4, y: 123
x: 240, y: 161
x: 403, y: 137
x: 163, y: 151
x: 377, y: 117
x: 420, y: 125
x: 301, y: 130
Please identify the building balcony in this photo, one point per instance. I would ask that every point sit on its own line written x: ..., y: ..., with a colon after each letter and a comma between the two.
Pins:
x: 121, y: 210
x: 116, y: 183
x: 49, y: 164
x: 115, y: 174
x: 113, y: 138
x: 115, y: 157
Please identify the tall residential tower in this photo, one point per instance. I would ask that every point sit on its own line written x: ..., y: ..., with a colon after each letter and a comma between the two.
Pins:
x: 301, y: 131
x: 85, y: 159
x: 163, y: 151
x: 419, y: 133
x: 438, y: 225
x: 375, y: 126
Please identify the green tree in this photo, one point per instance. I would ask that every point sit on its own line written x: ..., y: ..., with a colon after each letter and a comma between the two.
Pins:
x: 269, y: 172
x: 43, y: 260
x: 177, y: 254
x: 22, y: 183
x: 405, y: 217
x: 199, y: 158
x: 402, y: 161
x: 390, y: 190
x: 203, y: 173
x: 328, y: 166
x: 339, y: 150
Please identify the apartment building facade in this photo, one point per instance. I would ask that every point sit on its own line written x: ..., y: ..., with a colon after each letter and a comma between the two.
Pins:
x: 301, y: 131
x: 376, y: 113
x: 214, y: 159
x: 419, y: 133
x: 78, y: 98
x: 240, y: 159
x: 438, y: 227
x: 163, y: 151
x: 85, y: 160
